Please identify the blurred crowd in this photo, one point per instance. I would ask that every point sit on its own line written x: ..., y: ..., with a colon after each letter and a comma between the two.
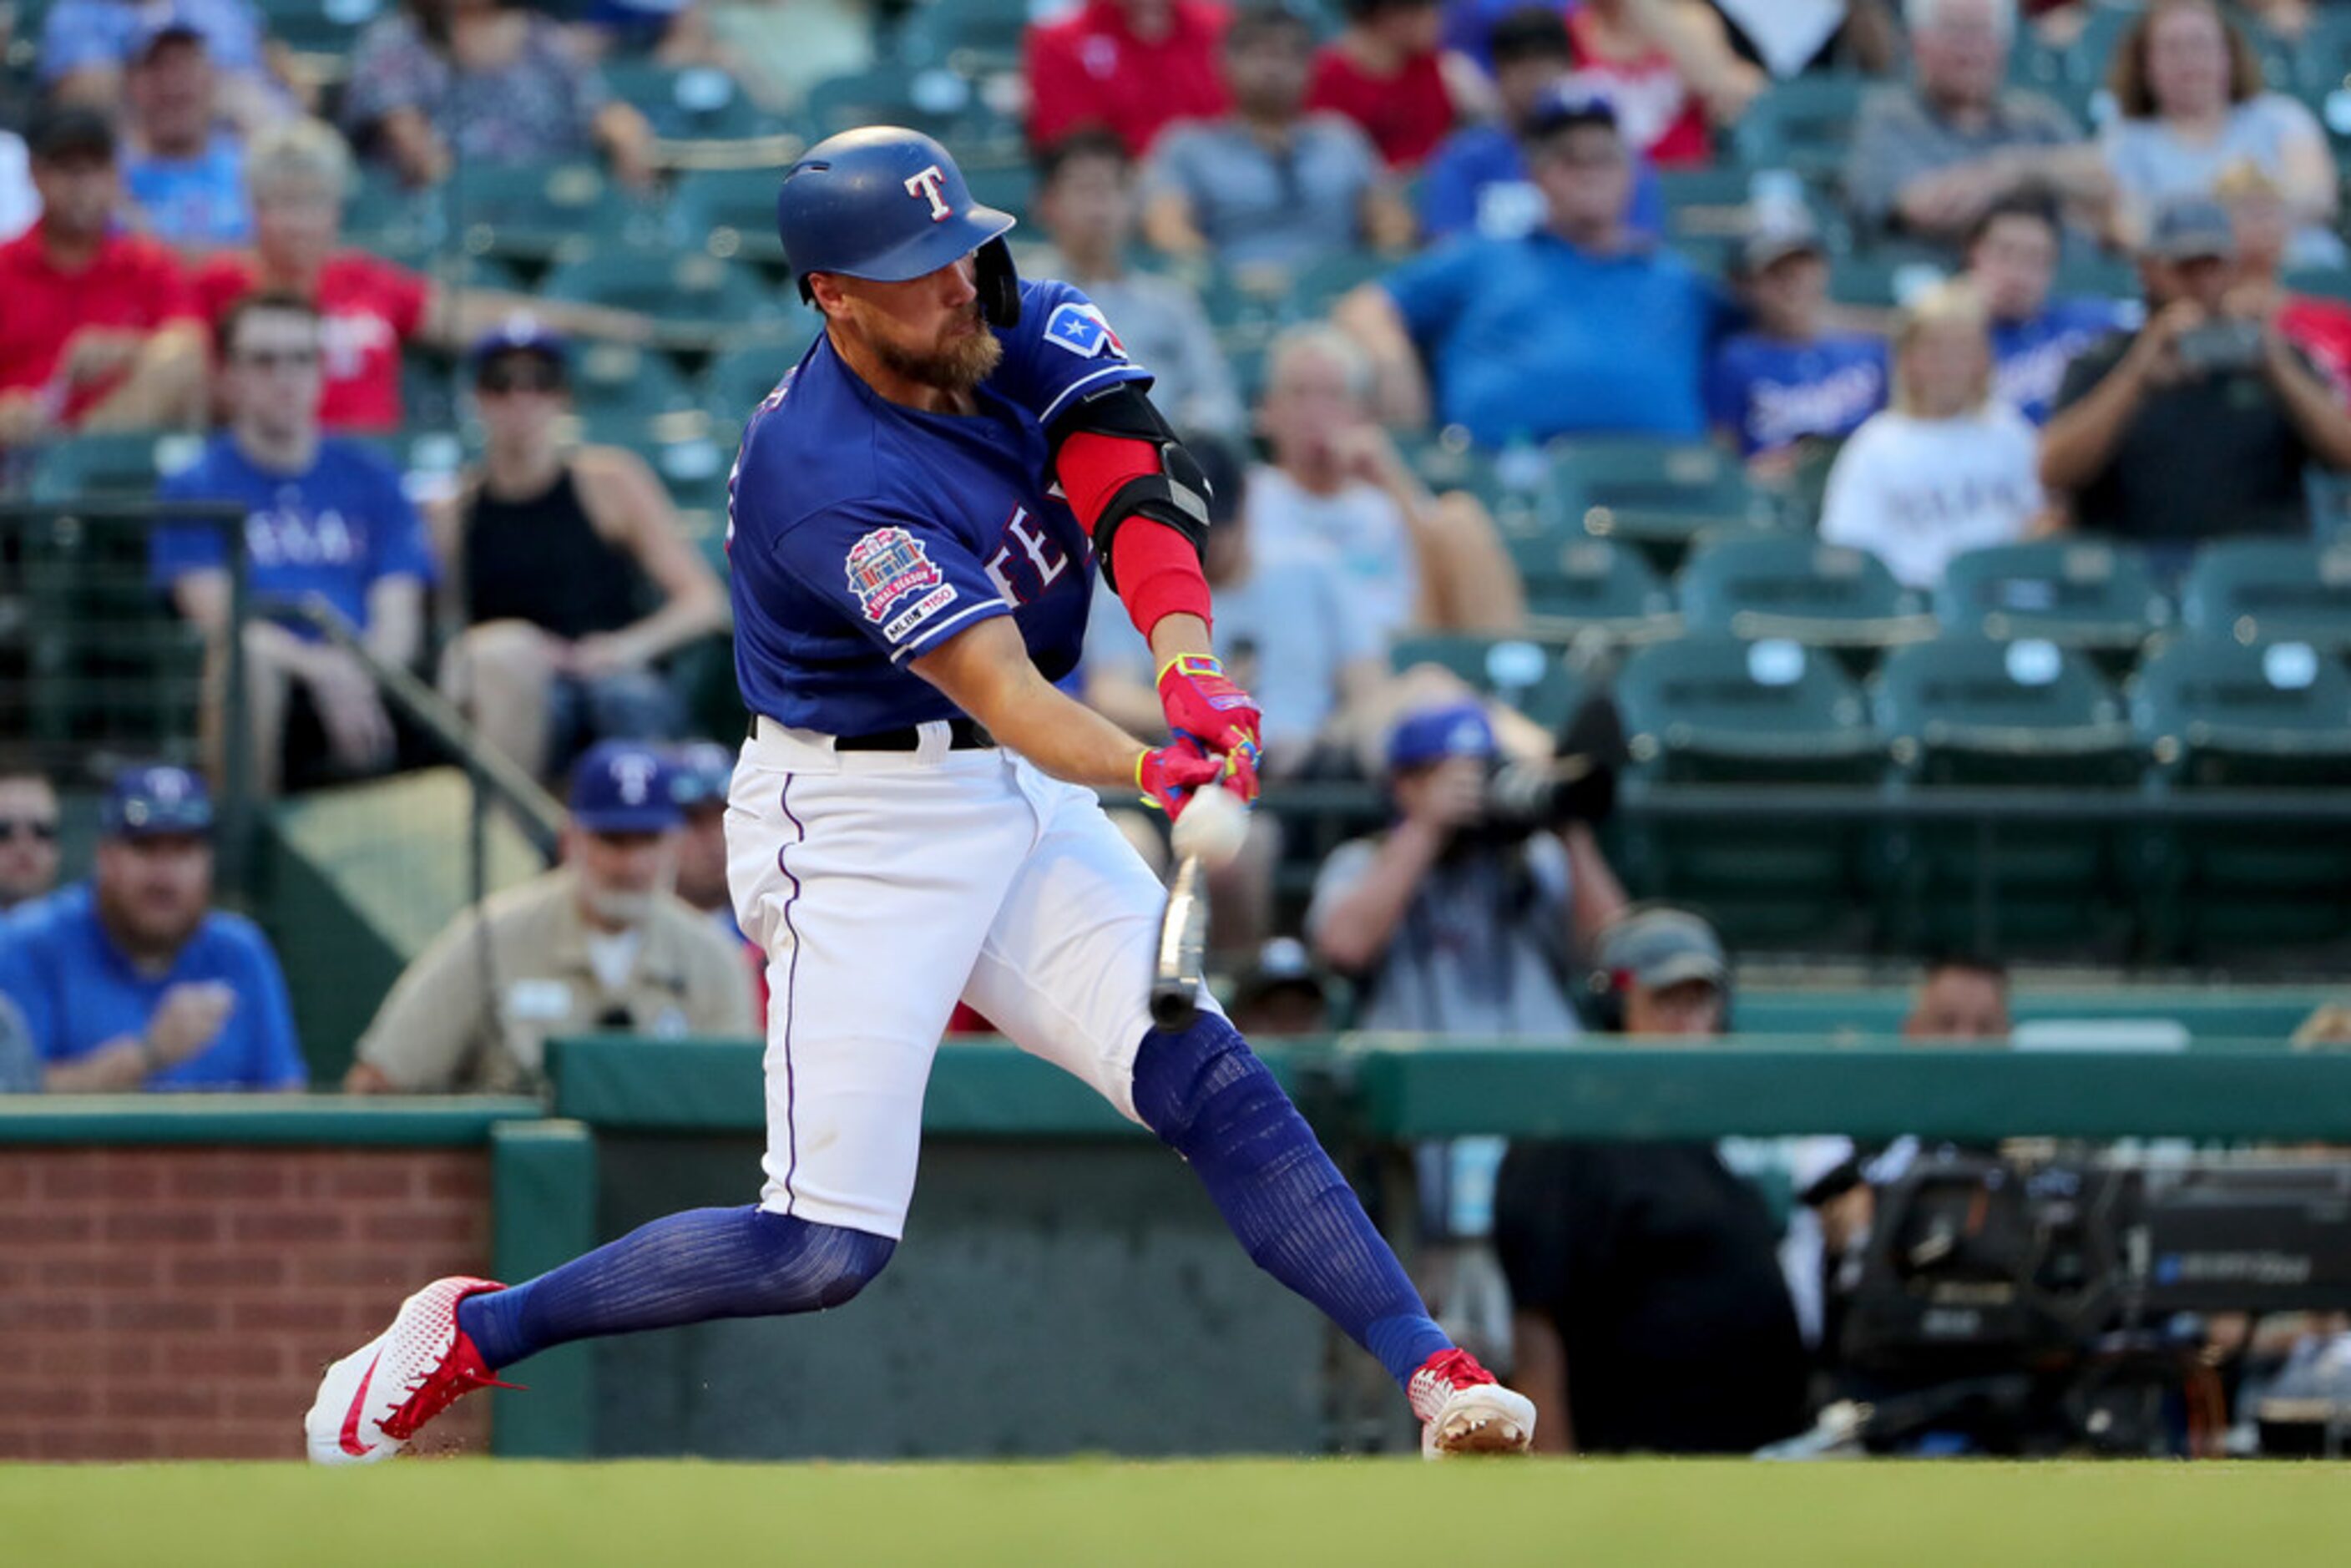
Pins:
x: 2026, y: 271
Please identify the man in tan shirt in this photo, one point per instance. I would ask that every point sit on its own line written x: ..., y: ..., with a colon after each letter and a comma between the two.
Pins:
x: 599, y: 945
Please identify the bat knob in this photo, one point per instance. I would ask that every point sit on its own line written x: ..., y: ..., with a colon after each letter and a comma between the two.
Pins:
x: 1173, y: 1005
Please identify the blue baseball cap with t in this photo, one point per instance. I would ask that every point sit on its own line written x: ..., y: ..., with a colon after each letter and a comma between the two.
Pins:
x: 1433, y: 734
x: 625, y: 787
x: 145, y: 802
x: 702, y: 770
x: 521, y: 333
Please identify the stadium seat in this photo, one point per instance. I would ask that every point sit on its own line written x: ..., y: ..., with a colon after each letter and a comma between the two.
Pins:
x: 116, y: 464
x: 1787, y: 585
x: 1712, y: 709
x: 538, y: 213
x: 693, y: 289
x: 697, y: 103
x: 1657, y: 494
x: 931, y: 99
x: 2266, y: 589
x: 970, y: 36
x: 622, y: 378
x: 1008, y: 187
x: 2218, y: 715
x: 318, y: 27
x: 1804, y: 124
x: 2081, y: 593
x: 1527, y: 675
x: 1968, y: 710
x: 739, y: 380
x: 730, y: 213
x: 1577, y: 584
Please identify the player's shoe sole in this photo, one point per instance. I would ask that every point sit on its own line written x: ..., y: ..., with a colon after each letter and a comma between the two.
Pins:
x: 1486, y: 1419
x: 370, y: 1403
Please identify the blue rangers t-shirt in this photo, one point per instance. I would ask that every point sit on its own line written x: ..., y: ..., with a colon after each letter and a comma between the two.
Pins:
x: 862, y: 533
x: 73, y: 990
x: 1772, y: 394
x: 334, y: 532
x: 2029, y: 358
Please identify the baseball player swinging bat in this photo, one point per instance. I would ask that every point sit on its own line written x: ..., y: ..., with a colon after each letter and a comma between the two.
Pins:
x: 915, y: 524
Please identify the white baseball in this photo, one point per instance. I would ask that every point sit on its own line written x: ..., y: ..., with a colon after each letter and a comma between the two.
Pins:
x: 1212, y: 824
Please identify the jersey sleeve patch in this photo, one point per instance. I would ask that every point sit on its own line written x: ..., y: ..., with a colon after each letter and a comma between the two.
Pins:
x: 1080, y: 328
x: 886, y: 565
x: 923, y: 609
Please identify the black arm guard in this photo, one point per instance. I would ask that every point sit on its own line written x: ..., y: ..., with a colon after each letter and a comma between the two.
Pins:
x: 1177, y: 496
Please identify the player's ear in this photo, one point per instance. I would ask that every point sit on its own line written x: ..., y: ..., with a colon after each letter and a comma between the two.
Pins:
x: 823, y: 291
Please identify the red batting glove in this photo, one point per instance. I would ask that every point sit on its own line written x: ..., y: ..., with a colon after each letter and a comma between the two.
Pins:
x: 1201, y: 703
x: 1169, y: 776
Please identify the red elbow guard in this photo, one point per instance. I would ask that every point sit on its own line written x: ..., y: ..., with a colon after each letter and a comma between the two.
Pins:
x: 1155, y: 567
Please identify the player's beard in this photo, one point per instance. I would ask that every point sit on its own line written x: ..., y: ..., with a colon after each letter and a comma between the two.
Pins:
x: 957, y: 365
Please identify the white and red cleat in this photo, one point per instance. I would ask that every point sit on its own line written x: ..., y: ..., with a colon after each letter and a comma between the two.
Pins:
x: 1463, y: 1410
x: 373, y: 1401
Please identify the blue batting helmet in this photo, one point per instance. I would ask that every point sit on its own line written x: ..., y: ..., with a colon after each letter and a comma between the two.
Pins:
x: 881, y: 203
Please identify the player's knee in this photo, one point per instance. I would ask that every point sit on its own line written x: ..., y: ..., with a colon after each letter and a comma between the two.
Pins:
x: 1205, y: 1074
x: 815, y: 1265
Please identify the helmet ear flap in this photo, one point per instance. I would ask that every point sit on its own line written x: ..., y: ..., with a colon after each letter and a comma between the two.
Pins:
x: 998, y: 283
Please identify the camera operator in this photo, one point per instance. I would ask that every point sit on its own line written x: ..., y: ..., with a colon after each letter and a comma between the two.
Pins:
x: 2202, y: 421
x: 1651, y: 1312
x: 1462, y: 917
x: 1463, y: 920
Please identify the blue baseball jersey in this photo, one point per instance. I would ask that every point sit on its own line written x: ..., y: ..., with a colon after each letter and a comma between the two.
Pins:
x: 75, y: 990
x: 2029, y: 358
x: 1771, y: 394
x: 862, y: 533
x: 333, y: 531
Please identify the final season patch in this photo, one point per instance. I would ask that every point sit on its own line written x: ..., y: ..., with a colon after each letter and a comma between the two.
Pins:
x: 1081, y: 329
x: 885, y: 567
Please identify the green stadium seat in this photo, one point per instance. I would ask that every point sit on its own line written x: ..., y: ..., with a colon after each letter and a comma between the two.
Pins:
x: 1011, y: 187
x: 1657, y: 495
x: 622, y: 378
x: 1804, y: 124
x: 2263, y: 590
x: 1525, y: 675
x: 1711, y: 709
x: 731, y: 212
x: 1970, y: 711
x: 318, y: 27
x: 690, y: 287
x: 970, y: 36
x: 933, y: 99
x: 739, y: 380
x: 115, y: 463
x: 542, y: 213
x: 1884, y: 277
x: 1579, y: 583
x: 1766, y: 585
x: 2218, y: 713
x: 695, y: 104
x: 2081, y: 593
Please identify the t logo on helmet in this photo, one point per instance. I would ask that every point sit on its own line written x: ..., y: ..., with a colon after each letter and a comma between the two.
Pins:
x: 927, y: 185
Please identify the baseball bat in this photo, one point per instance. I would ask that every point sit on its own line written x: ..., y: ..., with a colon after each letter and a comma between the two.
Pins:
x: 1183, y: 938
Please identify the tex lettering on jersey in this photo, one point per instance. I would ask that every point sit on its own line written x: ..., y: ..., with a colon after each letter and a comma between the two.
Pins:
x: 1028, y: 562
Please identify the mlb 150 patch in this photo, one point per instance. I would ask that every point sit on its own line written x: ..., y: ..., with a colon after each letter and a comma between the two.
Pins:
x: 885, y: 567
x: 1081, y: 329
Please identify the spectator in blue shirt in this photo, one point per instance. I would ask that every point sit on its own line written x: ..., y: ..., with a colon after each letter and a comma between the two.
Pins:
x: 181, y: 168
x: 327, y: 521
x: 1581, y: 327
x: 1791, y: 380
x: 2012, y: 261
x: 86, y: 46
x: 1476, y: 182
x: 132, y: 980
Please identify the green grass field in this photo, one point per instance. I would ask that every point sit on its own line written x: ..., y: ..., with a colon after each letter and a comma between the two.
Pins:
x: 1217, y: 1514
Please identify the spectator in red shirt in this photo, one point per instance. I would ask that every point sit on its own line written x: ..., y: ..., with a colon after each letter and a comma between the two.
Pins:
x: 98, y: 331
x: 1130, y: 66
x: 1385, y: 73
x: 2264, y: 224
x: 1668, y: 67
x: 371, y: 308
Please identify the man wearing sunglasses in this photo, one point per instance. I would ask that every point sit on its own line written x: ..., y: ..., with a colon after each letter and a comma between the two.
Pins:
x: 29, y: 838
x: 326, y: 520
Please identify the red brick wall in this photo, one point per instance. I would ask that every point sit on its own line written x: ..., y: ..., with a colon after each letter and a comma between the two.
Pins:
x: 181, y: 1303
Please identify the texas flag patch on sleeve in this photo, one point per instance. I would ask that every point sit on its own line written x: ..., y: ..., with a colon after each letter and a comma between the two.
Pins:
x: 1081, y: 329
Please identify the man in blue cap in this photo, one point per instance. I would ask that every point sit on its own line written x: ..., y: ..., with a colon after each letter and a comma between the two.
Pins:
x: 133, y: 980
x: 599, y: 945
